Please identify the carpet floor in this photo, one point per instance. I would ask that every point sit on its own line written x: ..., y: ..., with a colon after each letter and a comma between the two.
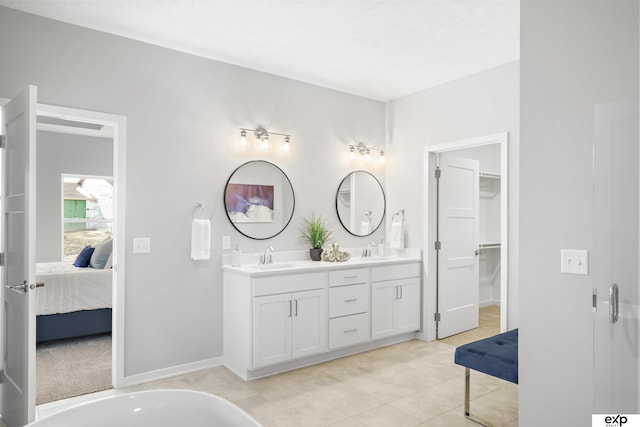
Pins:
x: 72, y: 367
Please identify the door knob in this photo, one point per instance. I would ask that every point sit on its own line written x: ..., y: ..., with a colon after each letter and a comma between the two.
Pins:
x: 23, y: 287
x: 477, y: 251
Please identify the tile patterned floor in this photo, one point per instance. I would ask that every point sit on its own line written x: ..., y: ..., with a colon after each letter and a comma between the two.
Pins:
x: 414, y: 383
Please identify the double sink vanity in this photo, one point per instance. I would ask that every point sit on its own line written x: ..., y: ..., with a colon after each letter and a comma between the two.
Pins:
x: 296, y: 313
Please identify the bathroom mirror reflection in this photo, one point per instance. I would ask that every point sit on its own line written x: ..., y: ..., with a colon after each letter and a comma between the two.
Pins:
x: 360, y: 203
x: 259, y: 199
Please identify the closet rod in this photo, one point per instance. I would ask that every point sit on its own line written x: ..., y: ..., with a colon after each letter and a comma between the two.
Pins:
x: 490, y: 175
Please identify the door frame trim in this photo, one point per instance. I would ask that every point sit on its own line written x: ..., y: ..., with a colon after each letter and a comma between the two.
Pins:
x: 429, y: 303
x: 119, y: 124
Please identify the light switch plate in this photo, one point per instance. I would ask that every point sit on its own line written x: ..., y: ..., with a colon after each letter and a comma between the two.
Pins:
x: 574, y: 261
x: 141, y: 245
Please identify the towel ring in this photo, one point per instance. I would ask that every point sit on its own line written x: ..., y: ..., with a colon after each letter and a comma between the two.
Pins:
x: 367, y: 217
x: 199, y: 213
x: 398, y: 216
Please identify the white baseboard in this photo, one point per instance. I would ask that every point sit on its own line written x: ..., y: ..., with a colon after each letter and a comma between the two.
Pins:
x: 172, y: 371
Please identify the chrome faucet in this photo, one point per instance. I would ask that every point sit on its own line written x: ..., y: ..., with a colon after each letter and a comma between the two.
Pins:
x: 266, y: 257
x: 367, y: 252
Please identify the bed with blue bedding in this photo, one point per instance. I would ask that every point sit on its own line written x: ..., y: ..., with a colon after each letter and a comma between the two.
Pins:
x: 74, y: 302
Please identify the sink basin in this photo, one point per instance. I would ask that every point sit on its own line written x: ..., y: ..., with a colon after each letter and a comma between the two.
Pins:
x: 274, y: 266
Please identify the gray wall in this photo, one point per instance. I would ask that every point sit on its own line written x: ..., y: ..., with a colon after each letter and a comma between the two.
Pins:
x: 481, y: 104
x: 59, y: 154
x: 183, y: 118
x: 575, y: 55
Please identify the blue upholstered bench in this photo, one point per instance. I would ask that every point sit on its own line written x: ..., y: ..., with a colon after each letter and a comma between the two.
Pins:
x: 496, y: 356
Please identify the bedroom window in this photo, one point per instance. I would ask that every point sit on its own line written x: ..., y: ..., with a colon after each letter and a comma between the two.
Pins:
x: 87, y: 212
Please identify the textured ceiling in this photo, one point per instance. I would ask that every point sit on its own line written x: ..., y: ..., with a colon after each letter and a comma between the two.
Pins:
x: 380, y: 49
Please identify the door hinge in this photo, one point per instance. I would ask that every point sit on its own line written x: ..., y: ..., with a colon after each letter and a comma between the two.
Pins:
x: 594, y: 300
x: 1, y: 259
x: 438, y: 172
x: 3, y: 141
x: 436, y: 317
x: 438, y: 245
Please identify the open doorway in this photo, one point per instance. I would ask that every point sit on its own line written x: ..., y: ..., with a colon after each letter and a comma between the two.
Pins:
x: 74, y: 246
x: 466, y: 238
x: 80, y: 221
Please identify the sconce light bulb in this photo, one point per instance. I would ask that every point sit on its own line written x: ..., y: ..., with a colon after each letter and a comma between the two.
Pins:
x: 381, y: 160
x: 243, y: 138
x: 265, y: 141
x: 367, y: 156
x: 287, y: 141
x: 352, y: 152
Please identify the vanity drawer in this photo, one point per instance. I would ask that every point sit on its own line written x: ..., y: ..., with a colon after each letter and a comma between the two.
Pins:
x: 346, y: 300
x: 394, y: 272
x: 348, y: 277
x: 348, y: 330
x: 284, y: 283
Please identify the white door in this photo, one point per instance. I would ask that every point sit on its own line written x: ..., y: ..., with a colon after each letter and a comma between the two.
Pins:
x: 18, y: 382
x: 458, y: 281
x: 616, y: 257
x: 271, y: 329
x: 383, y: 309
x: 408, y: 306
x: 309, y: 329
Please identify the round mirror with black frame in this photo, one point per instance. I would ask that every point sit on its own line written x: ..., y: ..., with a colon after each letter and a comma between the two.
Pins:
x: 259, y: 199
x: 360, y: 203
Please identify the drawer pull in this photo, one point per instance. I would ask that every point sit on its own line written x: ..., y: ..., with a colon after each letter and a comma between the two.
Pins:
x: 351, y: 277
x: 349, y: 331
x: 351, y: 300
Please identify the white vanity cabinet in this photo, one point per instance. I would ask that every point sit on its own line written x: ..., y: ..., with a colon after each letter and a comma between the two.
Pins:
x: 395, y: 300
x: 274, y: 318
x: 288, y: 326
x: 280, y: 318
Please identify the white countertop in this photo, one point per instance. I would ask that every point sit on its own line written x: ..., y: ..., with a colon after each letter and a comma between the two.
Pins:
x: 298, y: 261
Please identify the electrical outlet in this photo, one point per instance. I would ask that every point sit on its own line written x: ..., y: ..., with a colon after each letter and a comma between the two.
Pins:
x: 226, y: 242
x: 574, y: 261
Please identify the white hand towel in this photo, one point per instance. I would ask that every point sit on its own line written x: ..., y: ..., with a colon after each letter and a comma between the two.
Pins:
x: 200, y: 239
x: 396, y: 236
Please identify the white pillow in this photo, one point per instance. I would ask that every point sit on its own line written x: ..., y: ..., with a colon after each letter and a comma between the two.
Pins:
x: 101, y: 253
x: 109, y: 263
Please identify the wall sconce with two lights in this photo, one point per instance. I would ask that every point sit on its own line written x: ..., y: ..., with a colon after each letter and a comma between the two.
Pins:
x: 365, y: 151
x: 262, y: 136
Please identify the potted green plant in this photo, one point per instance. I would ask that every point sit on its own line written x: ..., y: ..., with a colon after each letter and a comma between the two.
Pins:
x: 316, y: 232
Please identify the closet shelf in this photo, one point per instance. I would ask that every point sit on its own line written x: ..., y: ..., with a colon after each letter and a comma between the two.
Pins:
x: 489, y: 175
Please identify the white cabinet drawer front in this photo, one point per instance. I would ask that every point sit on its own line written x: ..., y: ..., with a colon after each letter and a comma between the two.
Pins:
x: 288, y: 283
x: 394, y: 272
x: 348, y: 277
x: 349, y: 330
x: 346, y: 300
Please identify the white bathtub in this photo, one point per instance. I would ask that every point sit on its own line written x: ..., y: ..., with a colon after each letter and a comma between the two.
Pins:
x: 152, y: 408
